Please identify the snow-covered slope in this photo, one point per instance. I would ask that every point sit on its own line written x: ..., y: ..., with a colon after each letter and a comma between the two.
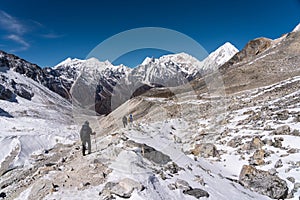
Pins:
x: 35, y: 118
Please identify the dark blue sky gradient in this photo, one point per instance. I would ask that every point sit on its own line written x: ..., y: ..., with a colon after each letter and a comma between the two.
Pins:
x: 55, y: 30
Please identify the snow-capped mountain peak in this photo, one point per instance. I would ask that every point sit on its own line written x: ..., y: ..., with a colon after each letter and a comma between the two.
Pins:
x: 67, y: 62
x: 219, y: 56
x: 148, y: 60
x: 223, y: 53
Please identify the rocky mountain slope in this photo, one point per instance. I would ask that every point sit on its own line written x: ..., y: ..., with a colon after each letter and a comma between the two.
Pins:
x: 232, y: 134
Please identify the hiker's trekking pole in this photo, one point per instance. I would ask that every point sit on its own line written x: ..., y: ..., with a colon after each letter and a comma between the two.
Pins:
x: 96, y: 142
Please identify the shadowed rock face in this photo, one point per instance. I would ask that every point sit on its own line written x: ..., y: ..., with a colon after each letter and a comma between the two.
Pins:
x: 263, y: 182
x: 3, y: 113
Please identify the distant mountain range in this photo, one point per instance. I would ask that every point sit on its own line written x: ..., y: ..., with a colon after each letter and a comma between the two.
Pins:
x: 99, y: 80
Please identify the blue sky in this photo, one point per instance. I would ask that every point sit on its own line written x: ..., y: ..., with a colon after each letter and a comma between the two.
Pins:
x: 46, y: 32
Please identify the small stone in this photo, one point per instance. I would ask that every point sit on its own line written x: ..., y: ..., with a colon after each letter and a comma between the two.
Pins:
x: 293, y: 150
x: 256, y: 143
x: 172, y: 186
x: 278, y: 164
x: 284, y: 155
x: 258, y: 157
x: 295, y: 132
x: 287, y: 170
x: 268, y: 128
x: 291, y: 179
x: 272, y: 171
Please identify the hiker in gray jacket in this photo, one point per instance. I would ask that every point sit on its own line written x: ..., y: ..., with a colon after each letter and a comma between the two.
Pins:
x: 124, y: 120
x: 85, y: 136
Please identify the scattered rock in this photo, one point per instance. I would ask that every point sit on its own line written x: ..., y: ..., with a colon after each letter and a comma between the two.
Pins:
x: 268, y: 128
x: 295, y: 132
x: 256, y: 143
x: 296, y: 187
x: 235, y: 142
x: 282, y: 130
x: 197, y: 193
x: 278, y: 164
x: 283, y: 115
x: 123, y: 188
x: 182, y: 185
x: 268, y: 142
x: 263, y: 182
x: 297, y: 118
x: 2, y: 195
x: 277, y: 142
x: 173, y: 168
x: 293, y: 150
x: 272, y: 171
x: 200, y: 180
x: 205, y: 150
x: 257, y: 158
x: 291, y: 179
x: 172, y: 186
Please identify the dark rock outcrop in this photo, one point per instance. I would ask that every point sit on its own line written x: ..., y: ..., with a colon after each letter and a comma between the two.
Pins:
x: 7, y: 94
x: 3, y: 113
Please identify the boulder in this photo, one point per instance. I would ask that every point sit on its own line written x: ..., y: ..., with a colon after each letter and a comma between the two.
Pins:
x: 6, y: 94
x: 182, y: 185
x: 155, y: 155
x: 197, y: 193
x: 263, y: 182
x: 205, y: 150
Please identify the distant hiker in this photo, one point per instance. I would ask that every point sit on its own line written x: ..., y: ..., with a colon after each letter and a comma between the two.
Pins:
x: 130, y: 118
x: 124, y: 121
x: 85, y: 136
